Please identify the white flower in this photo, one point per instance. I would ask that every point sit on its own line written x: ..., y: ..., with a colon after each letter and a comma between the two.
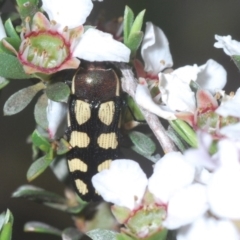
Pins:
x: 209, y: 228
x: 124, y: 184
x: 176, y: 92
x: 155, y: 50
x: 230, y: 107
x: 57, y: 118
x: 94, y: 45
x: 229, y: 46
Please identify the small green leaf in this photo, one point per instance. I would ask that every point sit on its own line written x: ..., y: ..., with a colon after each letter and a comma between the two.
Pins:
x: 10, y: 30
x: 58, y: 92
x: 236, y: 59
x: 40, y: 227
x: 134, y: 109
x: 137, y: 24
x: 37, y: 168
x: 122, y: 236
x: 50, y: 154
x: 102, y: 234
x: 3, y: 82
x: 63, y: 146
x: 176, y: 139
x: 71, y: 234
x: 6, y: 226
x: 15, y: 42
x: 134, y: 41
x: 19, y: 100
x: 10, y: 67
x: 143, y: 143
x: 185, y: 132
x: 27, y: 8
x: 41, y: 142
x: 38, y: 194
x: 40, y: 113
x: 128, y: 21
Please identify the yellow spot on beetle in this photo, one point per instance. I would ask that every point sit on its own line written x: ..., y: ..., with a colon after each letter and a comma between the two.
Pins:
x: 107, y: 140
x: 81, y: 186
x: 77, y: 164
x: 79, y: 139
x: 104, y: 165
x: 82, y: 111
x: 106, y: 112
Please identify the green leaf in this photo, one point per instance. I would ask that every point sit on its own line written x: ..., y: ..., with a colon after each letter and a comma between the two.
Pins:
x: 128, y: 21
x: 10, y: 67
x: 3, y: 82
x: 58, y: 92
x: 102, y: 234
x: 19, y: 100
x: 10, y: 30
x: 143, y: 143
x: 40, y: 227
x: 41, y: 142
x: 6, y: 226
x: 176, y: 139
x: 134, y: 41
x: 27, y: 8
x: 38, y: 194
x: 137, y: 24
x: 134, y: 109
x: 236, y: 59
x: 15, y: 42
x: 37, y: 168
x: 185, y: 132
x: 123, y: 236
x: 71, y: 234
x: 40, y: 113
x: 63, y: 146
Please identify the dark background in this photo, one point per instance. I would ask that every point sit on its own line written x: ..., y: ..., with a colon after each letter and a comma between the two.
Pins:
x: 190, y: 26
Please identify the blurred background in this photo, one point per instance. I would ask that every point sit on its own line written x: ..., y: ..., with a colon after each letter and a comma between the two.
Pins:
x: 190, y: 26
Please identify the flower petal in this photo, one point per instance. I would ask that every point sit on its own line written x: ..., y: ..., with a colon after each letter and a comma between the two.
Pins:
x: 208, y: 228
x: 231, y: 131
x: 71, y: 13
x: 155, y: 50
x: 176, y: 94
x: 57, y: 118
x: 229, y: 46
x: 212, y: 76
x: 171, y: 173
x: 123, y: 184
x: 185, y: 206
x: 99, y: 46
x: 2, y: 30
x: 230, y: 107
x: 144, y: 99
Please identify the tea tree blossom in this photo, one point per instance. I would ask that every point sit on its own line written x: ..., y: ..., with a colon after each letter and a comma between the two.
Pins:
x: 229, y: 46
x: 125, y: 185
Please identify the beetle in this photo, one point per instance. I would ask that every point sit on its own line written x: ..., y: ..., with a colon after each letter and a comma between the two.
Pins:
x: 93, y: 124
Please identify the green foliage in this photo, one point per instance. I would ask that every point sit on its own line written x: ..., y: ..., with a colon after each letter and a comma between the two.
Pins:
x: 27, y: 8
x: 3, y: 82
x: 38, y: 167
x: 58, y: 92
x: 19, y: 100
x: 10, y: 67
x: 14, y: 42
x: 236, y: 59
x: 41, y: 142
x: 143, y: 144
x: 6, y: 223
x: 40, y: 113
x: 71, y: 233
x: 10, y: 30
x: 132, y: 30
x: 102, y: 234
x: 185, y: 132
x: 40, y: 227
x: 134, y: 109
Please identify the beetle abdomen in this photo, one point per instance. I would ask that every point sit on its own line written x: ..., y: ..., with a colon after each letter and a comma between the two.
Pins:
x: 93, y: 124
